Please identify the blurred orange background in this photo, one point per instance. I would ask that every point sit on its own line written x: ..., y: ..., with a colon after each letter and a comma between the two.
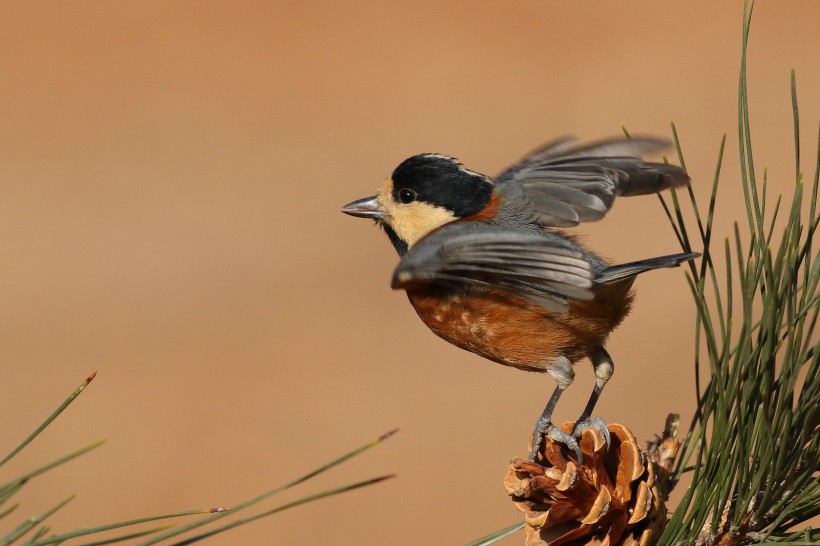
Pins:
x: 171, y: 177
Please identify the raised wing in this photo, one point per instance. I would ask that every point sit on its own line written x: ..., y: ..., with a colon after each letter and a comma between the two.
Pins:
x: 567, y: 184
x: 529, y: 264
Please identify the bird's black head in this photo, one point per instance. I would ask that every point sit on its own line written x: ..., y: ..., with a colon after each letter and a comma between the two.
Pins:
x: 424, y: 192
x: 441, y: 181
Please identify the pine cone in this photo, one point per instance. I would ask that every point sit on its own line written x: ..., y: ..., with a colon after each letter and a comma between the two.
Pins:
x: 612, y: 499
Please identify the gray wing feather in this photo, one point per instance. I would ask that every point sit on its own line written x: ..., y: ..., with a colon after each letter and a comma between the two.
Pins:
x: 554, y: 148
x: 566, y: 184
x: 614, y: 147
x: 567, y: 147
x: 525, y: 263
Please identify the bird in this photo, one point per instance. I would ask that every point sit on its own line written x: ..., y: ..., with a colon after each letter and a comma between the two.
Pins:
x: 488, y: 265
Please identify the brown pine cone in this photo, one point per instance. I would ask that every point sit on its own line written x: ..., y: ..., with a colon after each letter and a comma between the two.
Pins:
x: 611, y: 499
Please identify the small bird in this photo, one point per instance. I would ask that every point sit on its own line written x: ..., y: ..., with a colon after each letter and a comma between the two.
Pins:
x: 487, y: 267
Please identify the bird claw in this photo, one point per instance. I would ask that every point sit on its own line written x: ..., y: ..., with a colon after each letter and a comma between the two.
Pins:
x: 548, y: 430
x: 595, y: 423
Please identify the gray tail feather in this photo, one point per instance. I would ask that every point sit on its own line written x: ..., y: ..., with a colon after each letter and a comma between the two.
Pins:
x: 618, y: 272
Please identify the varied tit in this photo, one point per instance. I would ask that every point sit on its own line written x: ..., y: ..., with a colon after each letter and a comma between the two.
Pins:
x: 487, y: 268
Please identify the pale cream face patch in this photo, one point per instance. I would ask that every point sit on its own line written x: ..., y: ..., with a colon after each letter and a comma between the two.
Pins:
x: 411, y: 221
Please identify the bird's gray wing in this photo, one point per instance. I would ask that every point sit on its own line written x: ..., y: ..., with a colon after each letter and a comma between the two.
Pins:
x: 528, y: 264
x: 566, y: 184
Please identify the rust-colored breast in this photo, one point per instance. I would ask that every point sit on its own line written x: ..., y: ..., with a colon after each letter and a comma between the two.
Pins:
x: 512, y: 330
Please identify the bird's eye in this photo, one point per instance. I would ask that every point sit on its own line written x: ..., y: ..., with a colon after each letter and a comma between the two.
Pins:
x: 407, y: 196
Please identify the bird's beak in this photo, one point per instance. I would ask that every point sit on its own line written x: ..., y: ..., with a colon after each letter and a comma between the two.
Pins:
x: 368, y: 207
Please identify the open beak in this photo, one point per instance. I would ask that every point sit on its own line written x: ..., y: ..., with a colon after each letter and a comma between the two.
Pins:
x: 368, y: 207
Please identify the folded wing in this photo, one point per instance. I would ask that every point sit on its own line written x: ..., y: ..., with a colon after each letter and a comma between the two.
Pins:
x: 545, y: 270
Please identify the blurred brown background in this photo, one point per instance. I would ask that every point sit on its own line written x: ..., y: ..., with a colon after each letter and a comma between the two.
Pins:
x: 170, y: 179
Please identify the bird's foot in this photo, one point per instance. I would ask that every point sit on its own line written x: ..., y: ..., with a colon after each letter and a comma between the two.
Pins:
x: 544, y: 430
x: 594, y: 423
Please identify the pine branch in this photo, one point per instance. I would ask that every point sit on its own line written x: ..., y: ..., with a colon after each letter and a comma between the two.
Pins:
x: 753, y: 445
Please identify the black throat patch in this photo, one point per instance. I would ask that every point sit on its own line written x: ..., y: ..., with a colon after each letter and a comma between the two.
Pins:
x: 398, y: 243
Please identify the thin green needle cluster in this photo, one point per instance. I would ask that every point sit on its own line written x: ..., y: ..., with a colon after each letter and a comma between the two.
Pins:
x: 34, y: 531
x: 754, y: 446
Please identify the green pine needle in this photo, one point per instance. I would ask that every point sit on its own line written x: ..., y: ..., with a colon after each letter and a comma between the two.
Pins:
x: 57, y: 539
x: 49, y: 419
x: 324, y: 468
x: 123, y: 538
x: 293, y: 504
x: 31, y: 523
x: 498, y: 535
x: 9, y: 488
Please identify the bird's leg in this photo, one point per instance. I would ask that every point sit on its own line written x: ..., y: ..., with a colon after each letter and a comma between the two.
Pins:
x: 561, y: 370
x: 604, y: 367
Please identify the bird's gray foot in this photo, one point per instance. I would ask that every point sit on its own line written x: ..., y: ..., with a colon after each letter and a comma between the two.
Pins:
x: 595, y: 423
x: 545, y: 429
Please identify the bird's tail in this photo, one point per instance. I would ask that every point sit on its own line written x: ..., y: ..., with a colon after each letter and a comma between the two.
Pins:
x: 618, y: 272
